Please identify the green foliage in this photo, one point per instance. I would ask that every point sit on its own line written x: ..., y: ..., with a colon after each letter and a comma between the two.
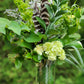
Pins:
x: 8, y: 73
x: 81, y: 21
x: 42, y: 23
x: 24, y: 44
x: 15, y: 27
x: 21, y: 38
x: 18, y: 64
x: 28, y: 56
x: 49, y: 10
x: 77, y: 44
x: 62, y: 19
x: 5, y: 4
x: 62, y: 80
x: 3, y: 23
x: 27, y: 74
x: 47, y: 74
x: 25, y: 12
x: 12, y: 25
x: 64, y: 23
x: 32, y: 38
x: 76, y: 58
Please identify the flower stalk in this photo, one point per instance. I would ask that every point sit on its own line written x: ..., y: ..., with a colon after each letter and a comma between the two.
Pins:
x: 45, y: 72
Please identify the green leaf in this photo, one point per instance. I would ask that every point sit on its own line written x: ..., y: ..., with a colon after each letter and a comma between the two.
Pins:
x: 75, y: 36
x: 51, y: 26
x: 73, y: 58
x: 61, y: 12
x: 6, y: 46
x: 49, y: 10
x: 15, y: 27
x: 28, y: 56
x: 78, y: 54
x: 77, y: 44
x: 23, y: 43
x: 25, y: 27
x: 32, y: 38
x: 82, y: 11
x: 18, y: 64
x: 3, y: 23
x: 71, y: 62
x: 56, y: 1
x: 52, y: 31
x: 56, y: 18
x: 82, y: 21
x: 54, y: 7
x: 42, y: 22
x: 66, y: 40
x: 42, y: 35
x: 72, y: 29
x: 77, y: 13
x: 37, y: 58
x: 63, y: 2
x: 2, y: 30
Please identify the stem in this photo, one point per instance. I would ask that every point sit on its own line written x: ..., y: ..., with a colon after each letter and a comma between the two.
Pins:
x: 46, y: 72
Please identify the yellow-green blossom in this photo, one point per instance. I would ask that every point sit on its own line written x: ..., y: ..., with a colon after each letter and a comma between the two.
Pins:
x: 47, y: 46
x: 39, y: 49
x: 62, y: 55
x: 52, y: 50
x: 57, y: 43
x: 51, y: 57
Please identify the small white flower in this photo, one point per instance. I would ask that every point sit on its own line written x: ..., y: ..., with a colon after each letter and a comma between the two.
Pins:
x: 39, y: 49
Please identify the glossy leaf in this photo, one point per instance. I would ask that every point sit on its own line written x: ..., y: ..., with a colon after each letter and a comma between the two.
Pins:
x: 15, y: 27
x: 32, y: 38
x: 28, y: 56
x: 35, y: 58
x: 3, y: 24
x: 25, y: 27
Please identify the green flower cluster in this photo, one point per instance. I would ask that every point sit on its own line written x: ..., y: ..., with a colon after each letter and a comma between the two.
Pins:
x: 25, y: 11
x: 52, y: 50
